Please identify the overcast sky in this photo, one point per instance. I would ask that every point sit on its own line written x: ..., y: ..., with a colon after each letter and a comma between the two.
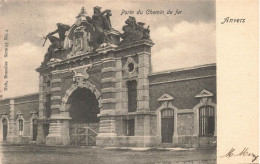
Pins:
x: 180, y: 41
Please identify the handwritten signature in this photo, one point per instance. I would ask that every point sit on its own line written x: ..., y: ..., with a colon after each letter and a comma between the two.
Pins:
x: 244, y: 152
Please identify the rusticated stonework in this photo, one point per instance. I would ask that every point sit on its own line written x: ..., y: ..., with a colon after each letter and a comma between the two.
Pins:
x: 185, y: 124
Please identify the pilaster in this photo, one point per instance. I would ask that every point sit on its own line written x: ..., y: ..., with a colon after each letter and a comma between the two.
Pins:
x: 42, y: 111
x: 107, y: 127
x: 40, y: 134
x: 56, y: 92
x: 58, y: 130
x: 143, y: 81
x: 41, y: 98
x: 57, y: 121
x: 11, y: 130
x: 119, y: 85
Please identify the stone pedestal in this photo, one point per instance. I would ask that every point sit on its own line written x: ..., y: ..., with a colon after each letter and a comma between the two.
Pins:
x: 113, y: 36
x: 107, y: 131
x: 58, y: 130
x: 54, y: 136
x: 40, y: 135
x: 11, y: 136
x: 142, y: 125
x: 175, y: 140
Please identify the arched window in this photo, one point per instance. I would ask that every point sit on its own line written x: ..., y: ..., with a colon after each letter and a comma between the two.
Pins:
x: 207, y: 120
x: 20, y: 127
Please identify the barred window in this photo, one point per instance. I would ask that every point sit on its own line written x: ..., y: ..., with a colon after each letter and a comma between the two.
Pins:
x: 207, y: 120
x: 167, y: 113
x: 132, y: 95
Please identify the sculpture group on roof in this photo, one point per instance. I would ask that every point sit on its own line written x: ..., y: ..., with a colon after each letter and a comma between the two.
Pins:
x: 134, y: 31
x: 87, y: 34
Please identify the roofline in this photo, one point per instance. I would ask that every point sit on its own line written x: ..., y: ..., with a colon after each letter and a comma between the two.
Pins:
x: 183, y: 69
x: 15, y: 97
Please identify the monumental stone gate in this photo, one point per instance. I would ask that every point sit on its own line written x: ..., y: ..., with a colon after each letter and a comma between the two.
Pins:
x: 92, y: 81
x: 96, y: 87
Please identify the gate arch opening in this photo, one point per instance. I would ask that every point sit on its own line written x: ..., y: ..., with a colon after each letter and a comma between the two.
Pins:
x: 83, y: 108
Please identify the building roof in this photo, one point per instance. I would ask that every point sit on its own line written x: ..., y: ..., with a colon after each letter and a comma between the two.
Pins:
x: 183, y: 69
x: 16, y: 97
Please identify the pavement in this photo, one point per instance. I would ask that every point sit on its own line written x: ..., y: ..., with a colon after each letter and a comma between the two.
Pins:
x: 42, y: 154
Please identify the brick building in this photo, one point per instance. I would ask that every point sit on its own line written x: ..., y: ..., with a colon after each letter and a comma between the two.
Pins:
x: 108, y: 96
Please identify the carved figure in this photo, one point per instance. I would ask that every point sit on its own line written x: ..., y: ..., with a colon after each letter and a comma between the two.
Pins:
x: 56, y: 42
x: 145, y: 31
x: 86, y: 34
x: 95, y: 27
x: 134, y: 31
x: 101, y: 22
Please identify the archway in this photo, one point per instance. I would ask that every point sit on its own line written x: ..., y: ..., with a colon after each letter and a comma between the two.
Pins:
x: 5, y: 127
x: 83, y: 109
x: 167, y: 116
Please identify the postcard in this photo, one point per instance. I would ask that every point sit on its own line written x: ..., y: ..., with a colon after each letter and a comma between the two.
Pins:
x: 112, y: 81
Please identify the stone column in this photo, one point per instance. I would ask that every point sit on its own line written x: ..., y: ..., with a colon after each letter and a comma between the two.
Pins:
x: 42, y: 116
x: 196, y: 128
x: 143, y: 120
x: 175, y: 137
x: 107, y: 129
x: 11, y: 127
x: 120, y: 95
x: 41, y: 98
x: 55, y: 92
x: 57, y: 121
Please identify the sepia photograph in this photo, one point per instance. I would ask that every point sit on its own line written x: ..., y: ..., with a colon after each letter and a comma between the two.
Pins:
x: 108, y: 82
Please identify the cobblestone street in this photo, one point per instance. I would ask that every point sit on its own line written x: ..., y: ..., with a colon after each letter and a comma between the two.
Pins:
x: 81, y: 154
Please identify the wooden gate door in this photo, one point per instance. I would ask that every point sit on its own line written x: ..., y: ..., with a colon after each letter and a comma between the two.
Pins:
x: 167, y: 127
